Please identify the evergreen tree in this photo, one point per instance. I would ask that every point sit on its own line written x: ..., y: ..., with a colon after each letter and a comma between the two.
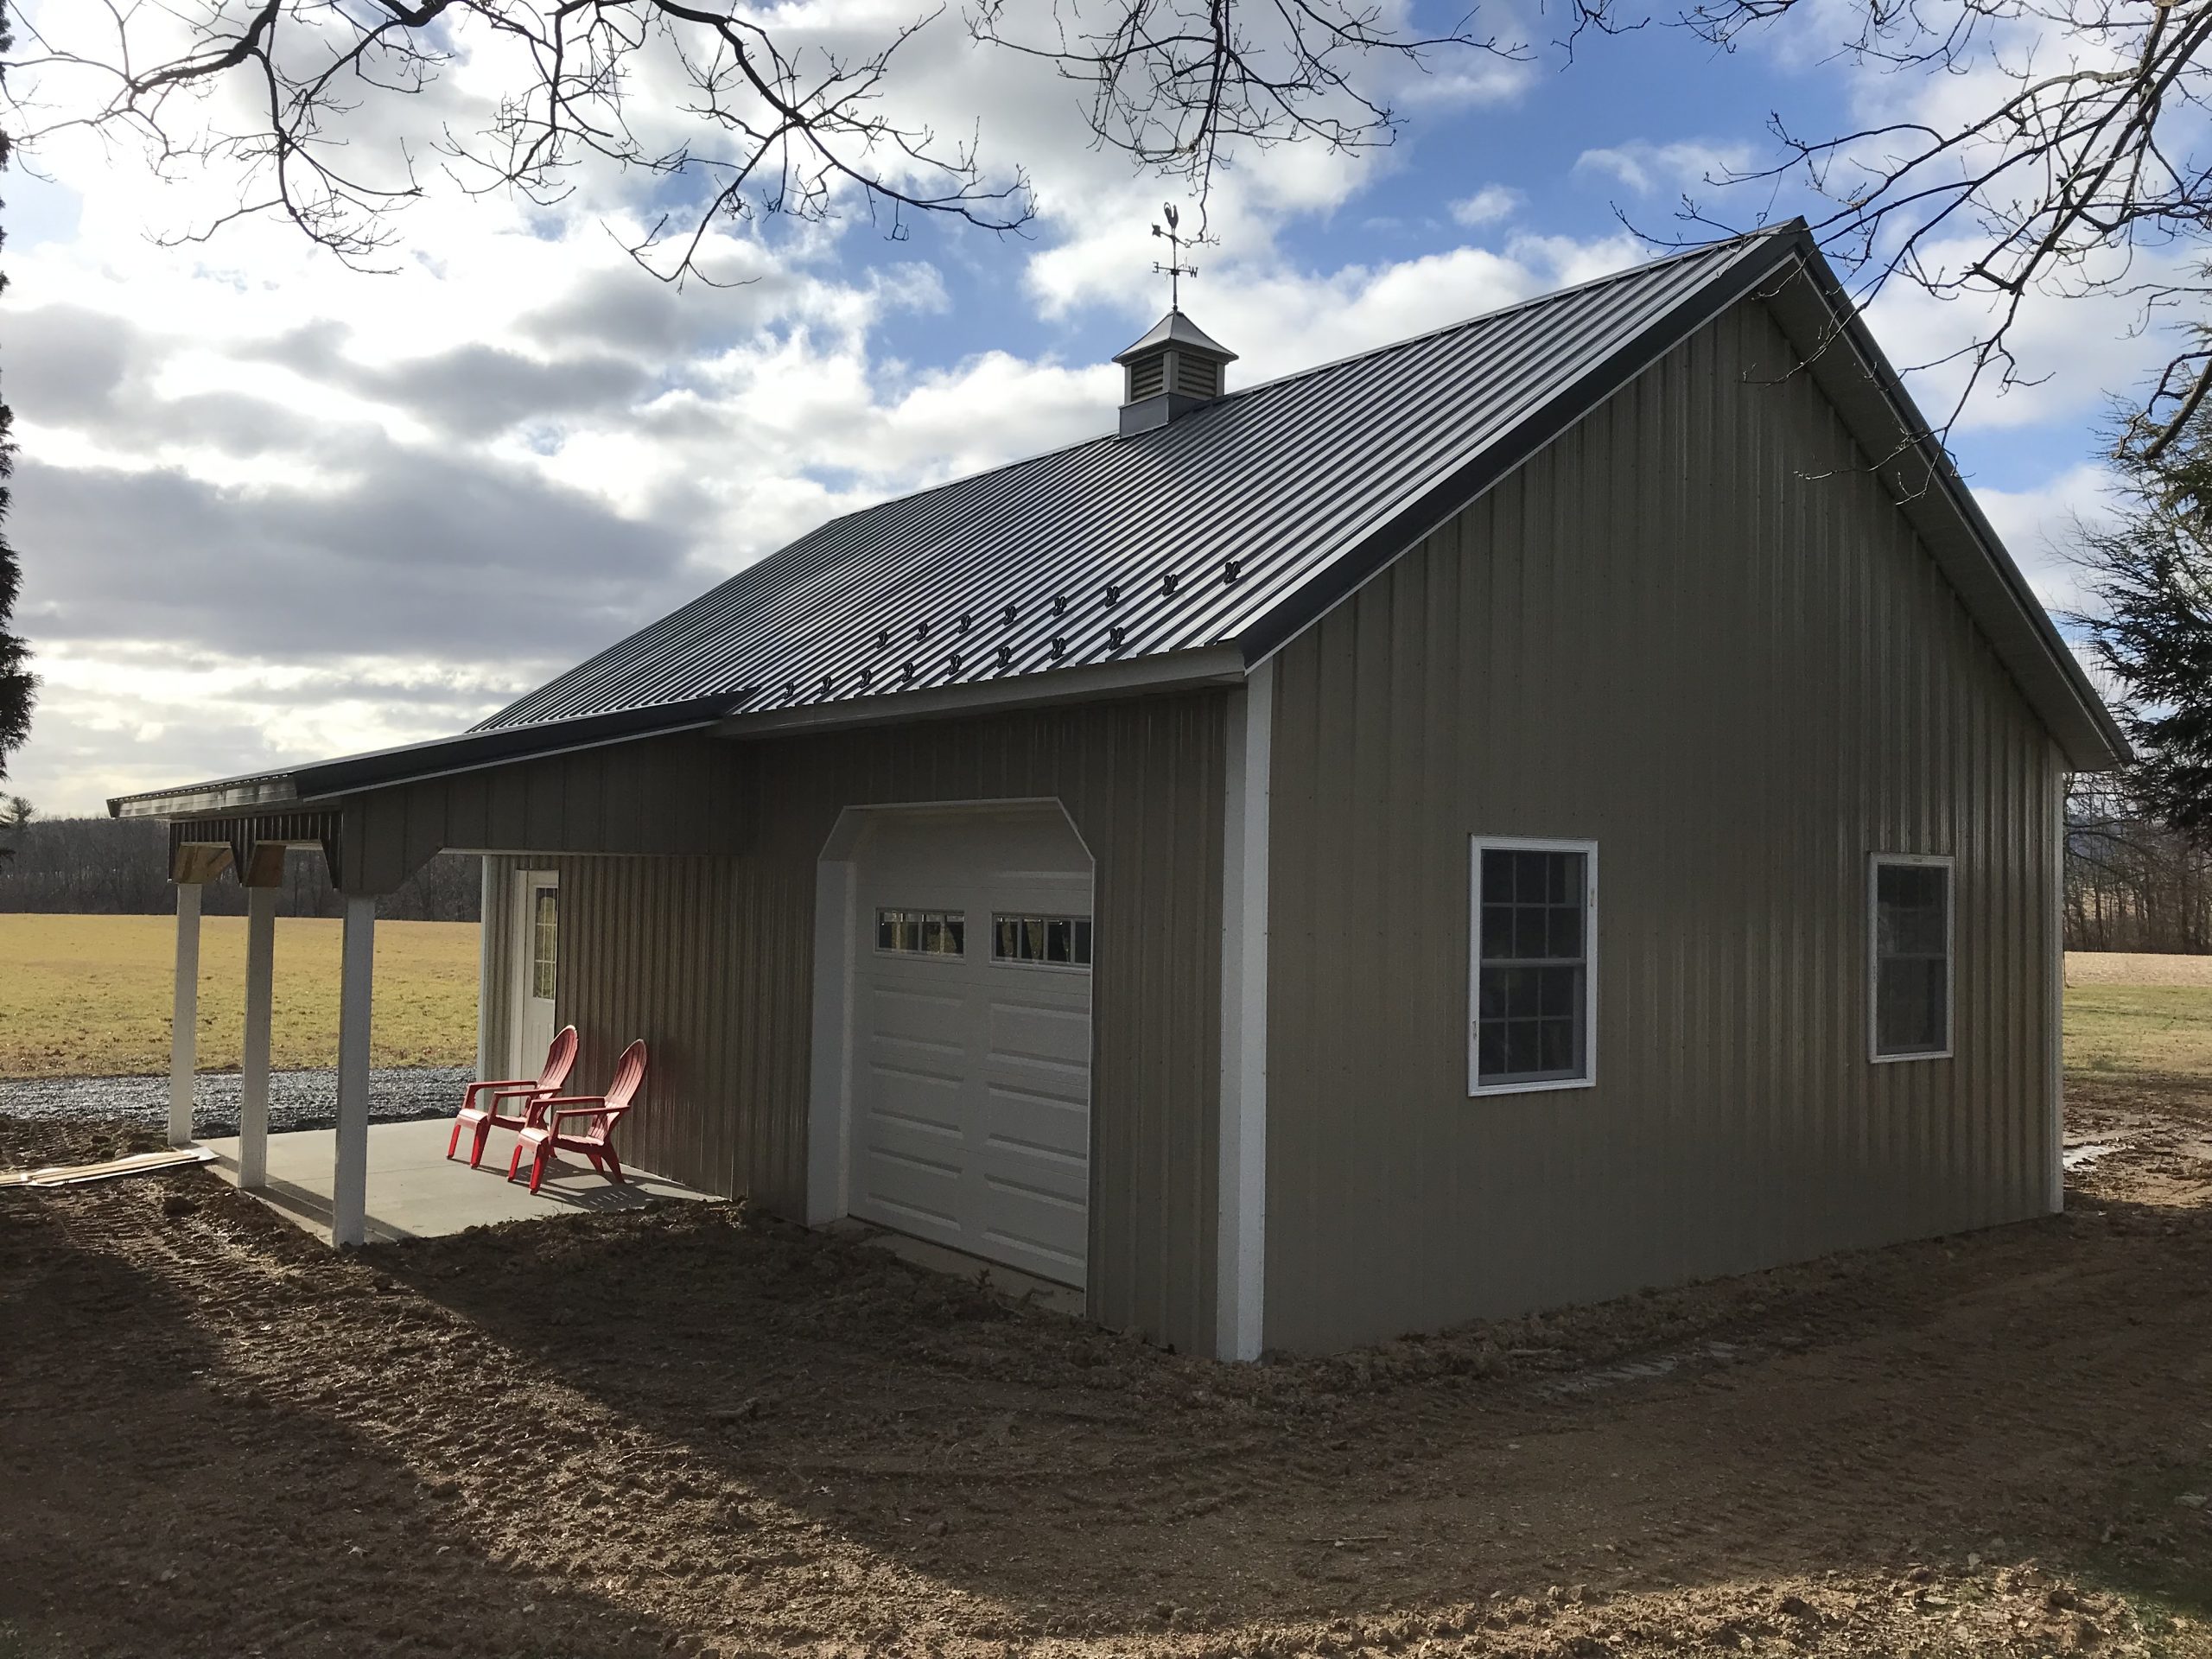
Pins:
x: 17, y: 685
x: 2152, y: 575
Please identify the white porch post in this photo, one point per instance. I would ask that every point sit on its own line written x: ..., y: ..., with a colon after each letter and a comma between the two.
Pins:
x: 184, y: 1028
x: 253, y: 1070
x: 350, y: 1179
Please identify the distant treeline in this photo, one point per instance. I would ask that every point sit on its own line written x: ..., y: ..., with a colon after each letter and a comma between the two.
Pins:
x: 2131, y: 884
x: 116, y: 867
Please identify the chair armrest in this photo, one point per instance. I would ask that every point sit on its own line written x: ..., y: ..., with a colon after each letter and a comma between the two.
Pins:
x: 500, y: 1086
x: 591, y: 1107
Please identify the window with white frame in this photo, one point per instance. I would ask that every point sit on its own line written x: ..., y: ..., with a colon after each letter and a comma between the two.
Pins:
x: 1534, y: 1024
x: 1909, y: 928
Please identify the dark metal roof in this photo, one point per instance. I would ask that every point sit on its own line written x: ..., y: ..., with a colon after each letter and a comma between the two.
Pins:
x: 1233, y: 526
x: 1176, y: 329
x: 1197, y: 533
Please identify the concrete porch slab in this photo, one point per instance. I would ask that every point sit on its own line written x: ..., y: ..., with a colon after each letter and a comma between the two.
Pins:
x: 415, y: 1191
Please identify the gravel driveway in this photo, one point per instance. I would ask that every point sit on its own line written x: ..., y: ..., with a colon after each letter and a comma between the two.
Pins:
x: 297, y: 1100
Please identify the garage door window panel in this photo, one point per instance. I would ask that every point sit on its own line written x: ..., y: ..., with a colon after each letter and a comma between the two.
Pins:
x: 922, y: 933
x: 1041, y: 940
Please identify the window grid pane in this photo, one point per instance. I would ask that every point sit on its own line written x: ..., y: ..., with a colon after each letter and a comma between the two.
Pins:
x: 1531, y: 997
x: 1912, y: 969
x: 922, y: 933
x: 544, y: 939
x: 1063, y: 941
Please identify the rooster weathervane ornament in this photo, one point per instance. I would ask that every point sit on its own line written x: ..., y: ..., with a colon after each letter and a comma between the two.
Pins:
x: 1174, y: 270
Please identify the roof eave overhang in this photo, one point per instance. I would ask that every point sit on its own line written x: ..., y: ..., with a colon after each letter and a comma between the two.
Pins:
x: 236, y: 795
x: 327, y: 780
x: 445, y: 757
x: 1216, y: 665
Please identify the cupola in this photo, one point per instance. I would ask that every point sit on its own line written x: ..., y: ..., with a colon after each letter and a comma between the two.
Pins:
x: 1174, y: 369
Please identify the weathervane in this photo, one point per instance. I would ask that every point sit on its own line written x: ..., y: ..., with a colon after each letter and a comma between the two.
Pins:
x: 1174, y: 270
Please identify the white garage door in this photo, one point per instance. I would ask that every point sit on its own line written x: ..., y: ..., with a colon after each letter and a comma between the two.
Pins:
x: 971, y: 1080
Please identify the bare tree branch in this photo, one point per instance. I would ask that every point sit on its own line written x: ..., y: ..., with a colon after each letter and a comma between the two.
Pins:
x: 780, y: 120
x: 2083, y: 173
x: 772, y: 114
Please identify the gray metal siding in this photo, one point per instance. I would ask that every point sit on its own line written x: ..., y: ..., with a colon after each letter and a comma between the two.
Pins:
x: 668, y: 794
x: 710, y: 959
x: 1696, y: 629
x: 495, y: 1004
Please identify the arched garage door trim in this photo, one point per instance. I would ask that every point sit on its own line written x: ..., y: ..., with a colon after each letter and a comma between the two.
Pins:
x: 845, y: 969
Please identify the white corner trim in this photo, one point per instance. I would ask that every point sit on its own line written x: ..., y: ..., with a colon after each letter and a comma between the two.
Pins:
x: 2056, y: 1040
x: 490, y: 916
x: 1241, y: 1256
x: 829, y: 1089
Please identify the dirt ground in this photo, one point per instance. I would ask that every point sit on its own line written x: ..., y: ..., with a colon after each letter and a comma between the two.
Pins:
x: 700, y: 1431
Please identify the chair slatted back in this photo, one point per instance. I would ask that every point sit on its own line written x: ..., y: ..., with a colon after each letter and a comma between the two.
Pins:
x: 629, y: 1074
x: 559, y: 1060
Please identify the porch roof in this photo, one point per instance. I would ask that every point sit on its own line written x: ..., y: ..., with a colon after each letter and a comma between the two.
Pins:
x: 324, y: 780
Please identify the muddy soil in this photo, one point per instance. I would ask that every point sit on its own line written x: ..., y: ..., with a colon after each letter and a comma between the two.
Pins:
x: 696, y: 1429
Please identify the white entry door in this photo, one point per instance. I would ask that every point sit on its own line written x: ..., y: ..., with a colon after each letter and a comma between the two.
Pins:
x: 535, y: 955
x: 971, y: 1075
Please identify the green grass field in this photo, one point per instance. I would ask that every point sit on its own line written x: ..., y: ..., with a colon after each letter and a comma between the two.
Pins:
x: 2139, y: 1034
x: 89, y: 995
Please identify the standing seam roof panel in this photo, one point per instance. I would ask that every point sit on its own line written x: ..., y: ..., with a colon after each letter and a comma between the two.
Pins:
x: 1283, y: 478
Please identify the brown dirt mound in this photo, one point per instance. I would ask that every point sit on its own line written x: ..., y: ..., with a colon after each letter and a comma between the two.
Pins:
x: 696, y: 1429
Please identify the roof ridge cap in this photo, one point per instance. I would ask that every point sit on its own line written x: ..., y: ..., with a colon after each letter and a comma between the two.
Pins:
x: 1548, y: 296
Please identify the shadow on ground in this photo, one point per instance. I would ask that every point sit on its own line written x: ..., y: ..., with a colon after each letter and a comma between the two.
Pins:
x: 694, y: 1426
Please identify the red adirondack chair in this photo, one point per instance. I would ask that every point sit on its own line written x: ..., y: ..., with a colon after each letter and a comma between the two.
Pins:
x: 595, y: 1115
x: 480, y: 1106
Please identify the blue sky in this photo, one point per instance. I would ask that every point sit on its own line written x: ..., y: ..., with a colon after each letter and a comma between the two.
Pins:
x: 270, y: 508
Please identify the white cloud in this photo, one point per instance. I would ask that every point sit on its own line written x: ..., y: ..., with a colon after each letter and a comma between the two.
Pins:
x: 271, y: 510
x: 1642, y: 166
x: 2042, y: 528
x: 1487, y: 206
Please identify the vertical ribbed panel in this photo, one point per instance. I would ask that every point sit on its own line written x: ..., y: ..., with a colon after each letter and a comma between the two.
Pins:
x: 495, y: 995
x: 1696, y: 629
x: 711, y: 960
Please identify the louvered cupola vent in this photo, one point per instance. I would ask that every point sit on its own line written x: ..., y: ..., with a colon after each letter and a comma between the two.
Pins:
x: 1172, y: 370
